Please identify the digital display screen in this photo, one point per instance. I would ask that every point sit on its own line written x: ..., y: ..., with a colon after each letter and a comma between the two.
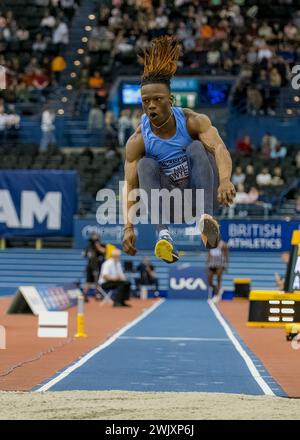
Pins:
x: 213, y: 93
x: 131, y: 94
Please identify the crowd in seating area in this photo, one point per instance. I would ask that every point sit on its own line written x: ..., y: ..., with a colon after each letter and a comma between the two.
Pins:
x: 216, y: 37
x: 266, y: 174
x: 33, y: 37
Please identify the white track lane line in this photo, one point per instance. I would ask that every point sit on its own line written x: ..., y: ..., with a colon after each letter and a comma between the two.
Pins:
x: 253, y: 370
x: 175, y: 338
x: 96, y: 350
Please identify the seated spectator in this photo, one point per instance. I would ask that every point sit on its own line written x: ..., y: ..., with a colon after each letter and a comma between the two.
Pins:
x: 253, y: 195
x: 264, y: 177
x: 96, y: 81
x: 279, y: 152
x: 60, y: 36
x: 125, y: 127
x: 250, y: 179
x: 268, y: 144
x: 277, y: 179
x: 298, y: 160
x: 95, y: 118
x: 111, y: 131
x: 238, y: 176
x: 40, y: 80
x: 113, y: 277
x: 241, y: 195
x: 40, y: 44
x: 244, y: 145
x: 58, y: 65
x: 254, y: 100
x: 147, y: 274
x: 297, y: 204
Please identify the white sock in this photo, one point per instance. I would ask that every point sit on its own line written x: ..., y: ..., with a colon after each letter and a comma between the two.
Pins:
x: 164, y: 232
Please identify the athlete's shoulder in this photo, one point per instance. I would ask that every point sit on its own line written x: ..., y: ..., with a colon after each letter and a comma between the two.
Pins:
x: 135, y: 147
x: 196, y: 122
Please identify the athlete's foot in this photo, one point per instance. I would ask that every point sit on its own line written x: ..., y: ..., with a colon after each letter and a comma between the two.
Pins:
x: 165, y: 250
x: 210, y: 231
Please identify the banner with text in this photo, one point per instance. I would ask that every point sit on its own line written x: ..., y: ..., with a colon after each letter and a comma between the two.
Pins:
x: 241, y: 235
x: 37, y: 203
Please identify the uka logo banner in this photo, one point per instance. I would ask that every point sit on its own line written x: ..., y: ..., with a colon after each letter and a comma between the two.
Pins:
x: 37, y: 203
x: 188, y: 282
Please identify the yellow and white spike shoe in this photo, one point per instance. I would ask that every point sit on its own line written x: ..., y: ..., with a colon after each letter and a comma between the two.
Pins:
x: 165, y: 250
x: 210, y: 231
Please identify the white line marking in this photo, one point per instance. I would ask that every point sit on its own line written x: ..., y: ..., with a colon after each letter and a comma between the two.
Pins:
x: 175, y: 338
x: 96, y: 350
x: 253, y: 370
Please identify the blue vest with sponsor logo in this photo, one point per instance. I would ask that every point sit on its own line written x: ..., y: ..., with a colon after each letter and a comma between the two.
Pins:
x: 169, y: 153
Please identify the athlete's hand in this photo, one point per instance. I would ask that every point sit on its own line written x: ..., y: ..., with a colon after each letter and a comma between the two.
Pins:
x: 226, y: 192
x: 129, y: 241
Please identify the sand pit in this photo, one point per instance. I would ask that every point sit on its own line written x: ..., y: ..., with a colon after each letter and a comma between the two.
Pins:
x: 113, y: 405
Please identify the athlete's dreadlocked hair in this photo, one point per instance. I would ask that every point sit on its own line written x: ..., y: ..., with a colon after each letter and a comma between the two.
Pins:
x: 160, y: 61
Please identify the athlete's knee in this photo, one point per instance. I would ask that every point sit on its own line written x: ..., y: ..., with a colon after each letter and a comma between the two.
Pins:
x: 147, y: 165
x: 196, y: 150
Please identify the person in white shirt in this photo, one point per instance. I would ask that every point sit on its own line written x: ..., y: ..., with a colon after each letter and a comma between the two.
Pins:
x: 264, y: 178
x: 60, y: 35
x: 48, y: 129
x: 113, y: 277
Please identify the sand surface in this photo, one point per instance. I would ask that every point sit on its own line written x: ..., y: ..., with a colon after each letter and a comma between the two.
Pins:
x: 113, y: 405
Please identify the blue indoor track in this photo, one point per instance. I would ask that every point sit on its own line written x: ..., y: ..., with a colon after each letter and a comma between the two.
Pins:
x: 180, y: 346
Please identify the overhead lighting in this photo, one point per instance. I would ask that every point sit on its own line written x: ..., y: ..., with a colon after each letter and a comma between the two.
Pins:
x: 69, y: 87
x: 64, y: 99
x: 92, y: 17
x: 296, y: 99
x: 77, y: 63
x: 84, y: 39
x: 88, y: 28
x: 61, y: 111
x: 73, y: 75
x: 289, y: 111
x: 80, y: 51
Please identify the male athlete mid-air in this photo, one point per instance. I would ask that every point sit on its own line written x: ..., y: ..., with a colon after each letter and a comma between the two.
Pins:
x: 174, y: 148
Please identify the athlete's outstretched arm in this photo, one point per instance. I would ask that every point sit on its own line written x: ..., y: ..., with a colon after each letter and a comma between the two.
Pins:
x: 134, y: 151
x: 200, y: 127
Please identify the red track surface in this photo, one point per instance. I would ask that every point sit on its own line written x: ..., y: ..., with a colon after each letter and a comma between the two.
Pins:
x: 269, y: 344
x: 24, y: 348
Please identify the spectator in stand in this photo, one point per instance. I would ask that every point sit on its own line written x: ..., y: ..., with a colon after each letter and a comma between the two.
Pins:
x: 125, y: 127
x: 58, y: 65
x: 96, y: 81
x: 297, y: 204
x: 254, y: 100
x: 136, y: 118
x: 48, y: 129
x: 298, y: 160
x: 244, y: 145
x: 279, y: 152
x: 60, y: 36
x: 250, y: 179
x: 40, y: 80
x: 268, y: 144
x: 95, y: 118
x: 113, y: 277
x: 3, y: 119
x: 238, y: 176
x: 68, y: 8
x: 111, y: 131
x: 277, y: 179
x: 147, y: 274
x: 264, y: 177
x: 241, y: 195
